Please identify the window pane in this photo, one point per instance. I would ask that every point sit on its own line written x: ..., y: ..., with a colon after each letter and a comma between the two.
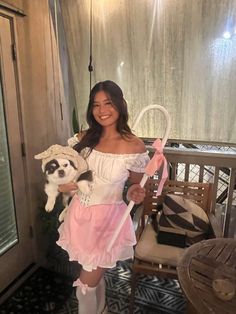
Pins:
x: 8, y: 229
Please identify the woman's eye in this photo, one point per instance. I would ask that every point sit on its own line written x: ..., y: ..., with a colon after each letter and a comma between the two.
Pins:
x: 108, y: 103
x: 95, y: 105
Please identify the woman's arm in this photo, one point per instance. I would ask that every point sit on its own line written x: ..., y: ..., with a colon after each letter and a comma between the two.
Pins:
x: 135, y: 192
x: 68, y: 187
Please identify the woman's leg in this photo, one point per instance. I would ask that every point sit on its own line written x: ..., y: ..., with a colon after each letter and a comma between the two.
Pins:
x: 101, y: 296
x: 87, y: 300
x: 86, y: 291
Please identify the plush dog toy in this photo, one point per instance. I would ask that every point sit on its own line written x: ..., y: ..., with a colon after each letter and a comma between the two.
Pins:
x: 62, y: 164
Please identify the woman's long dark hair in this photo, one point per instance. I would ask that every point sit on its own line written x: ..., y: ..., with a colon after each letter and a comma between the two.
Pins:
x: 93, y: 134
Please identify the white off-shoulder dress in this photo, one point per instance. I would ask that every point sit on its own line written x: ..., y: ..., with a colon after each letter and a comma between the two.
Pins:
x: 91, y: 219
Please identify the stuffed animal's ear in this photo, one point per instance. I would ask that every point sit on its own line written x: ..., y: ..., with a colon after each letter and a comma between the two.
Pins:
x: 88, y: 176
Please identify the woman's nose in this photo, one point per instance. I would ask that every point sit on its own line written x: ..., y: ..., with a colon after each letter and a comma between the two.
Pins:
x: 102, y: 108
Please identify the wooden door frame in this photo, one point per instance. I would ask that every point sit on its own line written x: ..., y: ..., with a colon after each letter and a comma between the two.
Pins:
x: 12, y: 100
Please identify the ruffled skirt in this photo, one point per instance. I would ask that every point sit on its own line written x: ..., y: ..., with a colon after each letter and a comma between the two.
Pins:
x: 87, y: 231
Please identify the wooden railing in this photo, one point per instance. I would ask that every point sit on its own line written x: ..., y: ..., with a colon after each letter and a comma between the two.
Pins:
x: 210, y: 166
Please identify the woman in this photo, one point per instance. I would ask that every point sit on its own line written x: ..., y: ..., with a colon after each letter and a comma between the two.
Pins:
x: 114, y: 155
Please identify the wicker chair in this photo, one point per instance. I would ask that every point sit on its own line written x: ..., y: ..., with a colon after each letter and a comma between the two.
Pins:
x: 158, y: 259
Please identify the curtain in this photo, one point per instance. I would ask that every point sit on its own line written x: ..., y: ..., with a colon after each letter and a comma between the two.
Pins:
x: 174, y: 53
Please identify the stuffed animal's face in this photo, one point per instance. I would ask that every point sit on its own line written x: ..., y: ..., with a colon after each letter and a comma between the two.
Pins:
x: 61, y: 171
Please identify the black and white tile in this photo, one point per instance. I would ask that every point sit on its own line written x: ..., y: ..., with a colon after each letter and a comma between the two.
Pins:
x: 50, y: 292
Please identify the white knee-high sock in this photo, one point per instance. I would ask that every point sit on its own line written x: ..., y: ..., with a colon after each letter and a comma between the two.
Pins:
x: 101, y: 296
x: 87, y: 299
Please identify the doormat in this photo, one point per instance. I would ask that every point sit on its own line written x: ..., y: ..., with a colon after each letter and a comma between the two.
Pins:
x: 44, y: 291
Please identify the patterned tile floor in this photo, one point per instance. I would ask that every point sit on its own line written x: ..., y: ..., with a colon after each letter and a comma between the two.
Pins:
x: 153, y: 295
x: 49, y: 292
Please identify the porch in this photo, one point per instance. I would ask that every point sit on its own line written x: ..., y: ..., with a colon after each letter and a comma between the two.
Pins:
x: 201, y: 162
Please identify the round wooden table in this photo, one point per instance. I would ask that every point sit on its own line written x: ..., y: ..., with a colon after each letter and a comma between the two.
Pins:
x: 200, y: 265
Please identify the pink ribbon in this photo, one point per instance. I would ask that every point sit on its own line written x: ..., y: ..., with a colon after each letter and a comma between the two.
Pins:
x: 155, y: 164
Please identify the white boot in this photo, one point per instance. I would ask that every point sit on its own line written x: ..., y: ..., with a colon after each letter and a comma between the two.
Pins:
x: 87, y: 298
x: 101, y: 296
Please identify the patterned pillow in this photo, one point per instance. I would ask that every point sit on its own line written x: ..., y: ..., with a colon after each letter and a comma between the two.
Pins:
x: 183, y: 214
x: 162, y: 225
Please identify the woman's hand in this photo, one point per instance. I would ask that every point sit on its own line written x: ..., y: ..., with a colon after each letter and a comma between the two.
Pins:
x: 136, y: 193
x: 68, y: 187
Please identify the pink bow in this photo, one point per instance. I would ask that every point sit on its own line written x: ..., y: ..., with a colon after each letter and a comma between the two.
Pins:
x: 83, y: 286
x: 155, y: 164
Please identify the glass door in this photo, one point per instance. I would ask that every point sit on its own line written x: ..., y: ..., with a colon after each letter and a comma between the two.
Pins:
x: 15, y: 242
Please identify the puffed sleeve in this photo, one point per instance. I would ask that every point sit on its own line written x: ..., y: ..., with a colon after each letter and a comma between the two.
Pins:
x: 137, y: 162
x: 72, y: 141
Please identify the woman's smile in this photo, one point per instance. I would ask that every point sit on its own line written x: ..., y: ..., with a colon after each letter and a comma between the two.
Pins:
x: 103, y: 117
x: 104, y: 111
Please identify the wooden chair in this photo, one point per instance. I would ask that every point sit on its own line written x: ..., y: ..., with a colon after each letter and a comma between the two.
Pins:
x: 157, y: 259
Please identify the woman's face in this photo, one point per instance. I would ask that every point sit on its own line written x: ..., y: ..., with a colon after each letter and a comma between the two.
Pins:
x: 104, y: 111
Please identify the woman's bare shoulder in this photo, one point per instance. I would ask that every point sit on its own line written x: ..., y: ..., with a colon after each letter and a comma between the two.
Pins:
x: 135, y: 145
